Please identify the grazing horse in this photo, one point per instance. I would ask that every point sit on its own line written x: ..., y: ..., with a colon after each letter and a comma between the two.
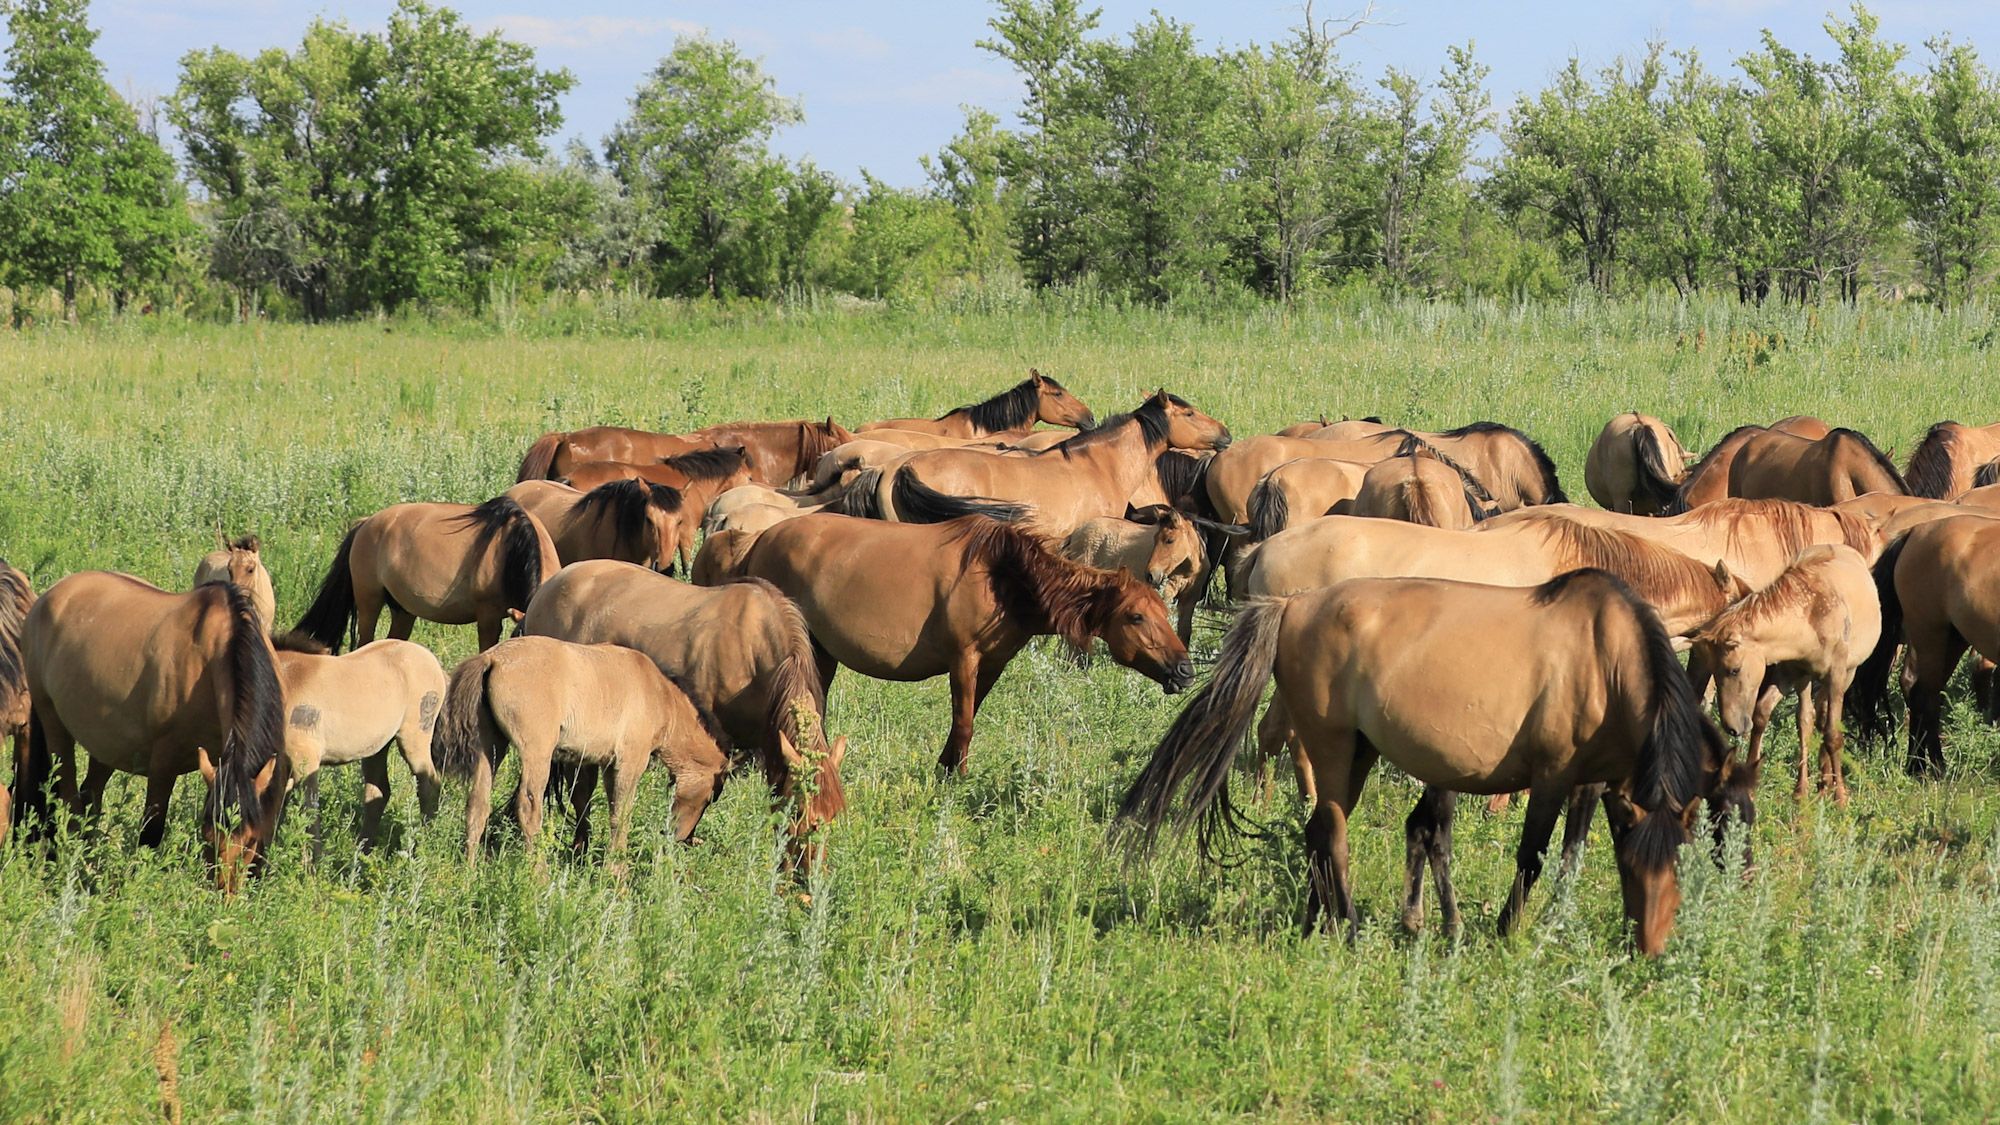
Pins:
x: 779, y: 451
x: 1037, y: 398
x: 602, y: 706
x: 745, y: 653
x: 1708, y: 478
x: 16, y: 596
x: 344, y: 709
x: 1940, y: 591
x: 454, y: 564
x: 1565, y: 684
x: 1236, y: 471
x: 1755, y: 539
x: 1417, y: 487
x: 1301, y: 490
x: 1092, y: 474
x: 909, y: 602
x: 1820, y: 471
x: 722, y: 553
x: 158, y: 684
x: 1947, y: 462
x: 630, y: 520
x: 1635, y: 465
x: 240, y: 563
x: 1806, y: 633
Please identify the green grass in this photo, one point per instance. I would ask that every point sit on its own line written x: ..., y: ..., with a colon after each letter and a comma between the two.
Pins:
x: 972, y: 950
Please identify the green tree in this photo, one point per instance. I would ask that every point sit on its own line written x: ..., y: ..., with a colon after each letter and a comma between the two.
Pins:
x: 696, y: 150
x: 87, y: 196
x: 970, y: 176
x: 1423, y: 161
x: 1045, y: 40
x: 1948, y: 132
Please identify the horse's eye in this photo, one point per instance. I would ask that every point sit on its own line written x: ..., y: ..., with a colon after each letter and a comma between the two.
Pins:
x: 1137, y: 618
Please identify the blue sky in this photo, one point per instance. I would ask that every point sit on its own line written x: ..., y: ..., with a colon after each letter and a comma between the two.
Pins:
x: 882, y: 81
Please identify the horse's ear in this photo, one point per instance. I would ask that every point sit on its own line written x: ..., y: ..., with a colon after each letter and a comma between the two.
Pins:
x: 786, y: 750
x: 249, y: 543
x: 1160, y: 396
x: 836, y: 752
x: 206, y: 764
x: 1037, y: 376
x: 1722, y: 575
x: 517, y: 617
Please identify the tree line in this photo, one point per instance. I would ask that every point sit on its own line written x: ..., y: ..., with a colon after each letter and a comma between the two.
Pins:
x: 411, y: 167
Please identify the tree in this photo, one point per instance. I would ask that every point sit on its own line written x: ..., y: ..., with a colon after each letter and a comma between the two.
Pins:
x: 696, y: 150
x: 1044, y: 39
x: 1948, y: 134
x: 970, y: 176
x: 1423, y: 161
x: 88, y: 197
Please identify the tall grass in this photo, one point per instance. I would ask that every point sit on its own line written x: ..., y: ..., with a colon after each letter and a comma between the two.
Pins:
x: 971, y: 950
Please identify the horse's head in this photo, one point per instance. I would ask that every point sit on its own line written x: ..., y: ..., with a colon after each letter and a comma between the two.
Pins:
x: 664, y: 512
x: 1132, y: 618
x: 1726, y: 651
x: 1188, y: 428
x: 816, y: 786
x: 1176, y: 549
x: 1648, y: 840
x: 240, y: 563
x: 237, y: 846
x: 1057, y: 407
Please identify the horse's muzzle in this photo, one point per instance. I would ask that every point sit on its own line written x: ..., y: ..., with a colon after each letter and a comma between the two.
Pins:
x: 1179, y: 678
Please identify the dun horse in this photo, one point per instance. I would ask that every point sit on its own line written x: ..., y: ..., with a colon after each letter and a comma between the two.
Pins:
x: 1946, y: 463
x: 779, y: 451
x: 1417, y: 487
x: 1820, y: 471
x: 158, y: 684
x: 602, y: 706
x: 1302, y: 490
x: 1037, y: 398
x: 1635, y: 465
x: 1575, y: 684
x: 240, y: 563
x: 16, y: 596
x: 1160, y: 545
x: 1755, y: 539
x: 960, y: 599
x: 1708, y: 478
x: 632, y: 521
x: 454, y: 564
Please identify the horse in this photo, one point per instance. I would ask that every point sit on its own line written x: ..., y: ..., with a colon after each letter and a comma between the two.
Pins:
x: 17, y: 594
x: 454, y: 564
x: 718, y: 469
x: 1235, y: 472
x: 1635, y: 465
x: 599, y: 705
x: 630, y: 520
x: 908, y: 602
x: 778, y: 451
x: 745, y: 653
x: 1576, y: 684
x: 344, y: 709
x: 1685, y: 593
x: 1940, y: 595
x: 758, y: 496
x: 1819, y: 471
x: 1755, y: 539
x: 158, y: 684
x: 1342, y: 430
x: 721, y: 553
x: 842, y: 463
x: 1806, y: 633
x: 1417, y: 487
x: 240, y: 563
x: 1161, y: 545
x: 1302, y: 490
x: 1708, y: 478
x: 1037, y: 398
x: 1092, y: 474
x: 1946, y: 462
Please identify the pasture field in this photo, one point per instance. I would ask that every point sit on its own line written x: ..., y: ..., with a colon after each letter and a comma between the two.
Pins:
x: 973, y: 950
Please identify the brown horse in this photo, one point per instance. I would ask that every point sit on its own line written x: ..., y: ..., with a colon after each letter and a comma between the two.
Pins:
x: 779, y: 451
x: 345, y: 709
x: 1235, y: 472
x: 158, y: 684
x: 1820, y: 471
x: 631, y: 520
x: 16, y: 596
x: 1947, y: 461
x: 1566, y: 684
x: 1635, y: 465
x: 240, y: 563
x: 1805, y: 634
x: 1419, y: 488
x: 1708, y: 478
x: 1092, y: 474
x: 454, y: 564
x: 722, y: 553
x: 1940, y: 591
x: 1037, y: 398
x: 603, y: 706
x: 1755, y: 539
x: 1302, y: 490
x: 745, y: 653
x: 1342, y: 430
x: 726, y: 467
x: 909, y: 602
x: 1510, y: 465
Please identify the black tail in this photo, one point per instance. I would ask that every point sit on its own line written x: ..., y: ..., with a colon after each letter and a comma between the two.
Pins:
x: 1200, y: 747
x: 330, y: 618
x: 1659, y: 483
x: 520, y: 546
x: 1270, y: 509
x: 465, y: 730
x: 1868, y: 696
x: 862, y: 496
x: 256, y: 734
x: 917, y: 502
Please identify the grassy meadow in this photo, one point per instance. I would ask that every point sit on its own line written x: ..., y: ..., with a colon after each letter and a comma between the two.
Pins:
x: 972, y: 950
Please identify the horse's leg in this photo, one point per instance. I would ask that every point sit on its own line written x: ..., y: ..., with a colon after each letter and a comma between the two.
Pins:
x: 90, y: 797
x: 489, y: 630
x: 965, y: 675
x: 478, y: 805
x: 401, y: 624
x: 1498, y: 802
x: 1576, y: 824
x: 1274, y: 730
x: 1420, y: 830
x: 1982, y: 689
x: 1545, y: 803
x: 374, y: 795
x: 535, y: 762
x: 368, y: 606
x: 160, y: 780
x: 1440, y: 859
x: 581, y: 791
x: 1341, y: 768
x: 1807, y: 711
x: 1930, y: 666
x: 1833, y: 740
x: 621, y: 784
x: 1760, y: 720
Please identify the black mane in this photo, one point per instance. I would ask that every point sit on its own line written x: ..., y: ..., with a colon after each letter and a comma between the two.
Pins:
x: 1008, y: 410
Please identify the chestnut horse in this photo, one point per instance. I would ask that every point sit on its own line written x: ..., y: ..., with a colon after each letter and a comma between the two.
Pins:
x: 1708, y: 478
x: 1635, y: 465
x: 16, y: 596
x: 779, y: 451
x: 745, y: 653
x: 908, y: 602
x: 1570, y: 683
x: 240, y: 563
x: 629, y: 520
x: 1946, y: 463
x: 1820, y: 471
x: 158, y: 684
x: 454, y: 564
x: 1037, y: 398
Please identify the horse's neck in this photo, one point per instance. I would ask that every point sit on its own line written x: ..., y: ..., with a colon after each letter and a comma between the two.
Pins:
x: 1124, y: 460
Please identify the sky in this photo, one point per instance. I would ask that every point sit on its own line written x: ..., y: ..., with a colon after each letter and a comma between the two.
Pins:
x: 883, y: 81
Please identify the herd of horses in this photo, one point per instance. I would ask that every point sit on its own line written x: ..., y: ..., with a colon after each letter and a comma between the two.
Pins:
x: 1431, y: 599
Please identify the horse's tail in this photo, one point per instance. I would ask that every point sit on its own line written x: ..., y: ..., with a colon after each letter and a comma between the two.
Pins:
x: 917, y: 502
x: 520, y: 546
x: 1679, y: 743
x: 1270, y: 509
x: 331, y: 614
x: 466, y: 730
x: 1659, y: 481
x: 540, y: 462
x: 1199, y: 748
x: 1868, y: 695
x: 1417, y: 503
x: 255, y: 736
x: 862, y: 498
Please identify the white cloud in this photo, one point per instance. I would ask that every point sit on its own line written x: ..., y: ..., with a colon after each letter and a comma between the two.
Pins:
x: 586, y: 32
x: 853, y: 42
